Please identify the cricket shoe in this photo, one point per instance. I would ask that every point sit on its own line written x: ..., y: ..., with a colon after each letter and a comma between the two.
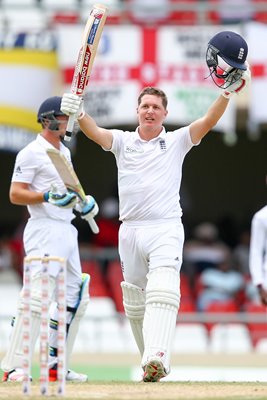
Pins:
x: 15, y: 375
x: 154, y: 370
x: 71, y: 376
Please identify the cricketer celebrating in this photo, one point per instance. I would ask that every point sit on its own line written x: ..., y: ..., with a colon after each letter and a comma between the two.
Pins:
x: 151, y: 235
x: 48, y: 232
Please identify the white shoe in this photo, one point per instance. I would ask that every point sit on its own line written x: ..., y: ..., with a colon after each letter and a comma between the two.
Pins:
x: 76, y: 376
x: 16, y: 375
x: 71, y: 376
x: 154, y: 370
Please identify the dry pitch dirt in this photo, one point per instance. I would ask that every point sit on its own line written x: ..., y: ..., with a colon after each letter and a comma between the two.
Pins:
x: 148, y: 391
x: 155, y: 391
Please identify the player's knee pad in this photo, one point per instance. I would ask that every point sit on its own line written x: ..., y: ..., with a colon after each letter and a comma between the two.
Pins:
x: 134, y: 306
x: 163, y: 287
x: 78, y: 314
x: 162, y: 303
x: 14, y: 356
x: 73, y: 313
x: 36, y: 294
x: 133, y: 301
x: 83, y: 297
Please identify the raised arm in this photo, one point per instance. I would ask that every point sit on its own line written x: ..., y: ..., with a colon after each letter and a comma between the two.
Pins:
x: 73, y: 104
x: 101, y: 136
x: 200, y: 127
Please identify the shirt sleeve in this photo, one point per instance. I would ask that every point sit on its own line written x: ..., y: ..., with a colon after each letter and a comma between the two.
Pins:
x: 25, y: 167
x: 117, y: 140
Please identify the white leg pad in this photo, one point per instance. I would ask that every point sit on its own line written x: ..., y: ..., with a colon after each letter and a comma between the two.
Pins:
x: 81, y: 309
x: 134, y: 306
x: 14, y: 356
x: 162, y: 304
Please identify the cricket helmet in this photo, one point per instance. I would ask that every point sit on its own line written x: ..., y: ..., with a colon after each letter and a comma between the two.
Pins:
x: 232, y: 49
x: 49, y: 110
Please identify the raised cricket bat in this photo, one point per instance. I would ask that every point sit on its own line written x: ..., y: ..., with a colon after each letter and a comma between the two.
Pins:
x: 70, y: 179
x: 90, y: 39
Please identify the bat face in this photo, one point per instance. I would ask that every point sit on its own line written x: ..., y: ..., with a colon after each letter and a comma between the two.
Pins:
x: 91, y: 36
x: 81, y: 74
x: 70, y: 179
x: 97, y: 18
x: 88, y: 49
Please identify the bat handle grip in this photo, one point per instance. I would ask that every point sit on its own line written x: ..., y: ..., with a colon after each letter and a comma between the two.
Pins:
x: 69, y: 129
x: 93, y: 225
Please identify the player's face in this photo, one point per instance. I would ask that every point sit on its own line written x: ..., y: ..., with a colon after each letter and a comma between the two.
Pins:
x: 151, y: 111
x: 63, y: 120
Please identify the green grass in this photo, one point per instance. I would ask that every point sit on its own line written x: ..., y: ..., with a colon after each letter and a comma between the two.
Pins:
x: 96, y: 373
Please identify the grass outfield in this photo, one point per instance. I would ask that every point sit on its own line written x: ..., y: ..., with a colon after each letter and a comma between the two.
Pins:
x: 146, y: 391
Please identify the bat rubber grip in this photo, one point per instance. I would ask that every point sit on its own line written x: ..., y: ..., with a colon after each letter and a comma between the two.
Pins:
x: 93, y: 225
x: 68, y: 136
x: 69, y: 129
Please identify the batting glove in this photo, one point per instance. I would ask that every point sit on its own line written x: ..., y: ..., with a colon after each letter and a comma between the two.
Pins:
x: 72, y: 104
x: 66, y: 200
x: 239, y: 85
x: 88, y: 209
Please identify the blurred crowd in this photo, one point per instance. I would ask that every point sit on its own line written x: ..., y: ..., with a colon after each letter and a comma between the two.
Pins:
x: 213, y: 270
x: 150, y: 12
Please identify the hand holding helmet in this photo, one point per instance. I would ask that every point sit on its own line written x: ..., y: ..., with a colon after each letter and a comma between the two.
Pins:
x: 230, y: 49
x: 238, y: 85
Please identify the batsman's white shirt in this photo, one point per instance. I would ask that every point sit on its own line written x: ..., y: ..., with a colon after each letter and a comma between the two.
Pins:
x: 149, y: 179
x: 34, y: 167
x: 150, y: 173
x: 258, y: 248
x: 49, y: 229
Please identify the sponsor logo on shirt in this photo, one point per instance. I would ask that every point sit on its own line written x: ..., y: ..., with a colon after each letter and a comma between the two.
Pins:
x: 18, y: 170
x: 129, y: 149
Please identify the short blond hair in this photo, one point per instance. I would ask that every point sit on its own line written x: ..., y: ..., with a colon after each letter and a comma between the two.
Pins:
x: 154, y: 92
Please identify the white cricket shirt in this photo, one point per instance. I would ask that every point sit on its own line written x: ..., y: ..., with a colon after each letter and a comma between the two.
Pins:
x: 34, y: 167
x: 150, y: 173
x: 258, y: 248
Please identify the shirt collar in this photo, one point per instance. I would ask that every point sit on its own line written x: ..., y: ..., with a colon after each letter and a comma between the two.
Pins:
x: 160, y: 136
x: 43, y: 142
x: 40, y: 139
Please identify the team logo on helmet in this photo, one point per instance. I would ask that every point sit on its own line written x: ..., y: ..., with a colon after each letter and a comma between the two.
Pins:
x: 226, y: 58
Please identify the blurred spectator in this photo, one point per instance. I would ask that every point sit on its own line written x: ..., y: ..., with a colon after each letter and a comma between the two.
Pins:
x: 108, y: 222
x: 149, y: 11
x: 6, y: 257
x: 237, y: 11
x: 241, y: 253
x: 221, y: 284
x: 8, y: 271
x: 105, y: 243
x: 16, y: 243
x: 205, y: 249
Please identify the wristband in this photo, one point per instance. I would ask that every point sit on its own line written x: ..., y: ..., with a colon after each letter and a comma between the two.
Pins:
x: 81, y: 115
x: 46, y: 196
x: 227, y: 95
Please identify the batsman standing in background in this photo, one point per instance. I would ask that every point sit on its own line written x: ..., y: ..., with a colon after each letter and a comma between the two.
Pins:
x: 151, y: 235
x: 48, y: 232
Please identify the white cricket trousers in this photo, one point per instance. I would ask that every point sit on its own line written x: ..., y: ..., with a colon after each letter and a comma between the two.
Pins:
x: 145, y: 247
x: 60, y: 239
